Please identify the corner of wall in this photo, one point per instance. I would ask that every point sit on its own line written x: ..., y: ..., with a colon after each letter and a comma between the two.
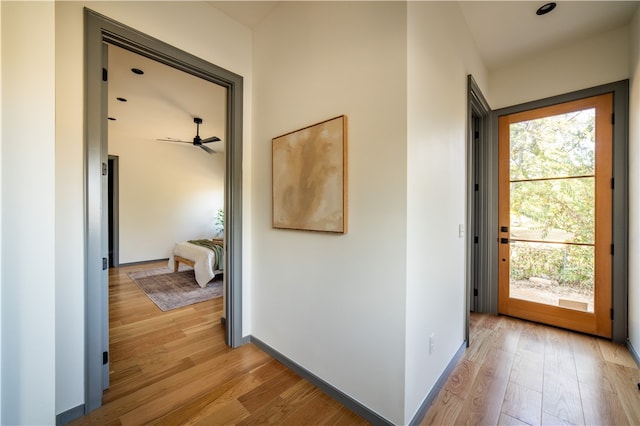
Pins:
x: 441, y: 55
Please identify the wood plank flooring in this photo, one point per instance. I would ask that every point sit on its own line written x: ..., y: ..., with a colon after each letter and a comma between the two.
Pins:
x: 520, y: 373
x: 174, y: 368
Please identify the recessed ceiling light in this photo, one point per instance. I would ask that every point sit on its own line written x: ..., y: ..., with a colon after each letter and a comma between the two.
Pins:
x: 545, y: 8
x: 111, y: 118
x: 122, y: 99
x: 137, y: 71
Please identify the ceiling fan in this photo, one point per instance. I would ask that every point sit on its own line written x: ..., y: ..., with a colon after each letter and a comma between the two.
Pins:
x: 197, y: 140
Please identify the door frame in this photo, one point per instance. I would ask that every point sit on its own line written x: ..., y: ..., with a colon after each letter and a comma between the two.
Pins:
x: 620, y: 90
x: 482, y: 199
x: 480, y: 191
x: 99, y: 30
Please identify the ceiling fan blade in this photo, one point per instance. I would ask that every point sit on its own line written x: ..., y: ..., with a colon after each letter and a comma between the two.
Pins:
x: 206, y: 148
x: 173, y: 140
x: 211, y: 139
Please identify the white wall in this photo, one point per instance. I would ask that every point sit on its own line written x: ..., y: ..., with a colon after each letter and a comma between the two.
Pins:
x: 335, y: 303
x: 441, y: 53
x: 591, y: 62
x: 634, y: 182
x: 28, y: 267
x: 168, y: 193
x: 195, y: 27
x: 69, y: 254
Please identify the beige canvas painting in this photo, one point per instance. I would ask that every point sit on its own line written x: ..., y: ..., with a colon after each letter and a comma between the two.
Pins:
x: 309, y: 178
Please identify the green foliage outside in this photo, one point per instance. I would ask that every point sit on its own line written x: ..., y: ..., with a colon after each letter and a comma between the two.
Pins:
x: 551, y: 207
x: 570, y: 266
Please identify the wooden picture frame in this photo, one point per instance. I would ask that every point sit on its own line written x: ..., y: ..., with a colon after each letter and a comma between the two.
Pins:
x: 309, y: 178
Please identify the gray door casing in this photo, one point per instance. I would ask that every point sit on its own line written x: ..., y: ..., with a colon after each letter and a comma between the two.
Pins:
x: 98, y: 31
x: 480, y: 247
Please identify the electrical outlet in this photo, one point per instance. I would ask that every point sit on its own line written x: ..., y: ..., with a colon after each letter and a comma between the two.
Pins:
x: 432, y: 343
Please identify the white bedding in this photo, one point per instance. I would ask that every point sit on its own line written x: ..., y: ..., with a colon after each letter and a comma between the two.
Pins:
x: 203, y: 258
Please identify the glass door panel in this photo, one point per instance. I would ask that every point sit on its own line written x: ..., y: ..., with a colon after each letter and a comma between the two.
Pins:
x: 555, y: 163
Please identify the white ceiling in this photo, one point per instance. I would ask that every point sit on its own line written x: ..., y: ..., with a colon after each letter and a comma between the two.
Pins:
x: 163, y: 102
x: 504, y: 31
x: 248, y: 13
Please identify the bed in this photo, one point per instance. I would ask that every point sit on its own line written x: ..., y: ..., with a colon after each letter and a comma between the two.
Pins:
x: 206, y: 257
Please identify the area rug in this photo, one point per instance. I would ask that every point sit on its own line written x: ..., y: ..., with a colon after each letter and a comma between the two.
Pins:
x: 172, y: 290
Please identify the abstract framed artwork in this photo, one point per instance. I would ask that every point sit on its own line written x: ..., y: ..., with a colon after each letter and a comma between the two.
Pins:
x: 309, y: 169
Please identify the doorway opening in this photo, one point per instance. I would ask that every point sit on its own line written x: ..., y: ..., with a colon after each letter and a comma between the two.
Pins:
x: 114, y: 217
x: 482, y: 207
x: 480, y: 192
x: 555, y: 214
x: 101, y: 31
x: 614, y: 315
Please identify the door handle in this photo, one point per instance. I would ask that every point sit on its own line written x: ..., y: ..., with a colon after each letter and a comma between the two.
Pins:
x: 504, y: 229
x: 504, y: 241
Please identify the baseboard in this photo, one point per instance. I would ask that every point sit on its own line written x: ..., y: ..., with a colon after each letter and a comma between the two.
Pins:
x: 70, y: 415
x: 633, y: 352
x: 142, y: 262
x: 424, y: 407
x: 327, y: 388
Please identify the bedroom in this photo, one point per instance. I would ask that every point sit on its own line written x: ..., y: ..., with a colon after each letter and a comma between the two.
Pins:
x: 168, y: 192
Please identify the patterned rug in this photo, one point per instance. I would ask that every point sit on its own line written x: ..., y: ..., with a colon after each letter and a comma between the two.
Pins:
x: 171, y: 290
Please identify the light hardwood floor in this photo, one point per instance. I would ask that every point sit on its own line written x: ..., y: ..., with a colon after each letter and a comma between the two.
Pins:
x: 520, y: 373
x: 173, y: 368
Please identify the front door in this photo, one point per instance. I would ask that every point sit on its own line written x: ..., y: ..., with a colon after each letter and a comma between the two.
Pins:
x: 555, y: 214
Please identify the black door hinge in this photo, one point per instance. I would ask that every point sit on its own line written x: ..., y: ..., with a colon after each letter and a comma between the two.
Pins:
x: 611, y: 314
x: 104, y: 74
x: 612, y: 183
x: 476, y: 187
x: 105, y: 357
x: 475, y: 240
x: 476, y: 134
x: 475, y: 291
x: 104, y: 264
x: 105, y: 169
x: 611, y: 249
x: 613, y: 118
